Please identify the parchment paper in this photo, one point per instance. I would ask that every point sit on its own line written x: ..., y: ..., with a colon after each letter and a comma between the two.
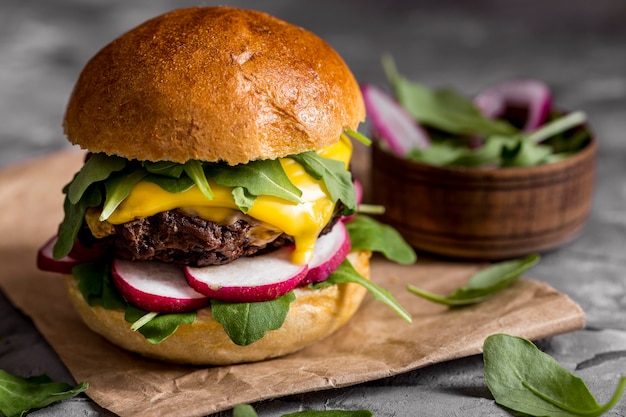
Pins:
x: 375, y: 344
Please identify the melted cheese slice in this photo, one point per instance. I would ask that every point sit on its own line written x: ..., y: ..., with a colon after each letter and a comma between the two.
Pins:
x: 304, y: 221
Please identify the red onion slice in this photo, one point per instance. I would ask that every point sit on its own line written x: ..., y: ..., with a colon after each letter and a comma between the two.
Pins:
x: 532, y: 95
x: 392, y: 123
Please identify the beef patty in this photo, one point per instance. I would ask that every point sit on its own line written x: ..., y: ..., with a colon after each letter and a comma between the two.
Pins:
x: 176, y: 237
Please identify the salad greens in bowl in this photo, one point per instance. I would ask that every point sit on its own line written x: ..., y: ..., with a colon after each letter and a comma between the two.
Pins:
x: 503, y: 174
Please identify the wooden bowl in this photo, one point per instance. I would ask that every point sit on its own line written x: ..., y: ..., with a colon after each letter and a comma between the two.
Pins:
x: 485, y: 213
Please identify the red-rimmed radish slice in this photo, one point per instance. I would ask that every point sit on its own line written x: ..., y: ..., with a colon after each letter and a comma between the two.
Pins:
x: 532, y: 96
x: 79, y: 254
x: 47, y: 262
x: 330, y: 250
x: 156, y: 286
x: 392, y: 123
x: 249, y: 279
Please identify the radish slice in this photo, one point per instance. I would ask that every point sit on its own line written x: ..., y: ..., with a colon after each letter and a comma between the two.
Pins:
x: 79, y: 254
x: 250, y: 279
x: 156, y: 286
x: 330, y: 250
x: 530, y: 95
x: 392, y: 123
x: 47, y: 262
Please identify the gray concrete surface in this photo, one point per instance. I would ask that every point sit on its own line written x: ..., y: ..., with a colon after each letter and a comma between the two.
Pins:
x: 577, y: 46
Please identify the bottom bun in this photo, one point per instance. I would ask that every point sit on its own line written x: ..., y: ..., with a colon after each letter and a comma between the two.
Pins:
x: 314, y: 315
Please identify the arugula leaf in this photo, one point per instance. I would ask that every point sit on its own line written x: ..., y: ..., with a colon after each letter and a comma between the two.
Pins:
x: 243, y: 199
x: 483, y: 285
x: 244, y: 410
x: 171, y: 185
x: 346, y: 273
x: 265, y: 177
x: 358, y: 136
x: 337, y: 179
x: 527, y: 380
x: 96, y: 285
x: 164, y: 168
x: 525, y: 153
x: 195, y: 171
x: 19, y: 395
x: 98, y: 167
x: 118, y: 187
x: 160, y: 326
x: 245, y: 323
x: 557, y: 126
x: 442, y: 109
x: 73, y: 220
x: 369, y: 234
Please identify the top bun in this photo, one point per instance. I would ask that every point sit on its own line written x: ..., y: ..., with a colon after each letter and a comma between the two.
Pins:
x: 213, y: 84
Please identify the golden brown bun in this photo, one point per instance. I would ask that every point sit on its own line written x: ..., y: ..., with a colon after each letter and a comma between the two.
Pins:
x: 213, y: 83
x: 314, y: 315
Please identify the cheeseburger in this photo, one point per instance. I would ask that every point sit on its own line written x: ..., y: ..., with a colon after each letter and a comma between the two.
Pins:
x: 211, y: 213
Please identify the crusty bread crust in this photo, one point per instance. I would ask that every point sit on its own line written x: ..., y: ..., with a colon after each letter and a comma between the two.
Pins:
x: 314, y: 315
x: 213, y: 84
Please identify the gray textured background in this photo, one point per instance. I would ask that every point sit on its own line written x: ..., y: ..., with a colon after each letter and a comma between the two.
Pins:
x: 577, y: 46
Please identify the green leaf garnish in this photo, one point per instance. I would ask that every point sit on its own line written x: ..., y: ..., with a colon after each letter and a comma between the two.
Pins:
x: 526, y: 380
x: 346, y: 273
x: 244, y: 410
x: 557, y: 126
x: 98, y: 167
x: 265, y: 177
x: 245, y: 323
x: 157, y: 327
x: 19, y: 395
x: 164, y: 168
x: 195, y: 171
x: 171, y: 185
x: 442, y: 109
x: 73, y: 220
x: 358, y: 136
x: 96, y: 285
x: 369, y: 234
x: 333, y: 173
x: 243, y: 199
x: 483, y: 285
x: 118, y: 187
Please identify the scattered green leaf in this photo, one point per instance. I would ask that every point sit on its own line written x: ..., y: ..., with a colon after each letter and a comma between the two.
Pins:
x: 526, y: 380
x: 369, y: 234
x: 346, y: 273
x: 483, y: 285
x: 244, y: 410
x: 19, y: 395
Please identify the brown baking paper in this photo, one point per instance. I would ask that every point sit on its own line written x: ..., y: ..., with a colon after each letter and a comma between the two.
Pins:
x: 376, y: 343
